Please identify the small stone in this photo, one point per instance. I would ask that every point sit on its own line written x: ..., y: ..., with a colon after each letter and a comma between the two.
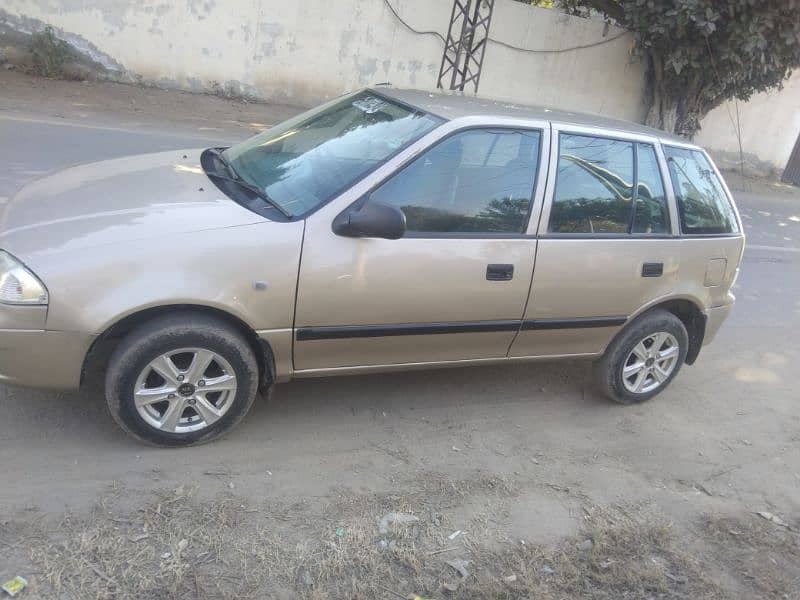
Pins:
x: 395, y: 517
x: 586, y: 545
x: 450, y: 587
x: 303, y: 577
x: 547, y: 570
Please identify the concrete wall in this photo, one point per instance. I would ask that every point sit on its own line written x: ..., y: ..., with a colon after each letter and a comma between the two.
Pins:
x: 770, y: 124
x: 303, y: 51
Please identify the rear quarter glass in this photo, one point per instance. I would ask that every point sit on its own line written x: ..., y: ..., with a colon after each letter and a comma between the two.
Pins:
x: 704, y: 207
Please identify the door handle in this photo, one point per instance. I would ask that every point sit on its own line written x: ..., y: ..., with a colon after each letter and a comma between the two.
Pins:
x: 499, y: 272
x: 652, y: 269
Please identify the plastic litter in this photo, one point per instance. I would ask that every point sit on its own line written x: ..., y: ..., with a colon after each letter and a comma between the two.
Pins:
x: 14, y: 586
x: 773, y: 518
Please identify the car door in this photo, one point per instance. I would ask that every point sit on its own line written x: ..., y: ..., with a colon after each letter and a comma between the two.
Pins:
x: 608, y: 242
x: 455, y: 286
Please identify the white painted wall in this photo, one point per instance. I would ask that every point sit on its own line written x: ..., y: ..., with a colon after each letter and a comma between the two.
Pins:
x: 769, y: 122
x: 303, y: 51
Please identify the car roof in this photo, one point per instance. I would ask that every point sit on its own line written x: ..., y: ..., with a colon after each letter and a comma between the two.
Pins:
x: 453, y: 105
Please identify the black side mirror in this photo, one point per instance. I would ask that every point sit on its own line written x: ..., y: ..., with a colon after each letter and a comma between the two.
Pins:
x: 373, y: 219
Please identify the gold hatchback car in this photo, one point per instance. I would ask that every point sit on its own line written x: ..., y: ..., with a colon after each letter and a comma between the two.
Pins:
x: 387, y: 229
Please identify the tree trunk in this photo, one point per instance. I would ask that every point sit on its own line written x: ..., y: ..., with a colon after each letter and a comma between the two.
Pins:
x: 673, y: 104
x: 662, y: 106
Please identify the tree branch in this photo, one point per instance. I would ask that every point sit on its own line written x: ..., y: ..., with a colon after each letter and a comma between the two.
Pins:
x: 611, y: 8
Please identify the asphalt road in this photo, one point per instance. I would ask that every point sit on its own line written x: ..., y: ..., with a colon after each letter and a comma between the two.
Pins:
x: 732, y: 421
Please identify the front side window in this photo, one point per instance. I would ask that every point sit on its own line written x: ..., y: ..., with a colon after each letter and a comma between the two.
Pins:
x: 475, y: 181
x: 306, y: 161
x: 703, y: 206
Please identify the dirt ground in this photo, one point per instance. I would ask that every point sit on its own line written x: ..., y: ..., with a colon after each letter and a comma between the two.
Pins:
x: 495, y: 482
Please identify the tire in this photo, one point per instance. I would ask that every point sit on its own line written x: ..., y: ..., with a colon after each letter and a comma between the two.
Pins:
x: 161, y: 364
x: 630, y: 350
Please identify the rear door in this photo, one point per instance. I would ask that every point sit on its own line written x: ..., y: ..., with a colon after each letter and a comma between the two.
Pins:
x: 455, y: 287
x: 608, y: 242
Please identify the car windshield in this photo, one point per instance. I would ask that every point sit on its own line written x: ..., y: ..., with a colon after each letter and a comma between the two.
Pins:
x: 306, y: 161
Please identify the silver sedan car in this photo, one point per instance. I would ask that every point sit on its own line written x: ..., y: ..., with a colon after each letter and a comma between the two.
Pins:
x: 387, y: 229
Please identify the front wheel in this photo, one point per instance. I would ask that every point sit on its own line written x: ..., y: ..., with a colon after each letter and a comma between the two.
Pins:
x: 181, y: 380
x: 644, y: 358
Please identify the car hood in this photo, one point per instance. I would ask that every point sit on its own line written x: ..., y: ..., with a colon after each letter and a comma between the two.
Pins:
x: 114, y: 201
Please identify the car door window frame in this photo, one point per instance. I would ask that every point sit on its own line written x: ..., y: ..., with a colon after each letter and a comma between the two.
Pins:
x: 674, y: 200
x: 614, y: 135
x: 538, y: 190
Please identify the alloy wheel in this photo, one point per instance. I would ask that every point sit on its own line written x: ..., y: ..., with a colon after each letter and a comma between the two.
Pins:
x: 185, y: 390
x: 650, y: 363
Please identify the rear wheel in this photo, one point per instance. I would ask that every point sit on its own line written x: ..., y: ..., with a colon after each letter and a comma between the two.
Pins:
x: 181, y: 380
x: 644, y: 358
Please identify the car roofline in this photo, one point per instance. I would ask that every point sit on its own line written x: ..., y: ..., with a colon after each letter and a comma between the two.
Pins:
x: 453, y: 105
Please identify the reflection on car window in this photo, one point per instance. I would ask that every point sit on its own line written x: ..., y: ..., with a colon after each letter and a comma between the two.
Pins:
x: 477, y: 181
x: 651, y: 215
x: 594, y: 186
x: 306, y: 161
x: 702, y: 203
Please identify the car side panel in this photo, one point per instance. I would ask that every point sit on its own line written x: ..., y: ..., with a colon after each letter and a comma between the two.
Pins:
x: 101, y: 286
x: 591, y: 279
x: 702, y: 259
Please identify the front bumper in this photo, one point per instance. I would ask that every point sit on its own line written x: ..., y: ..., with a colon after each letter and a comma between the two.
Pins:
x: 714, y: 319
x: 43, y: 359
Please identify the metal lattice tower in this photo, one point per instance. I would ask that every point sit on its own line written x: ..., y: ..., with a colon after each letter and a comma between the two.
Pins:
x: 466, y: 42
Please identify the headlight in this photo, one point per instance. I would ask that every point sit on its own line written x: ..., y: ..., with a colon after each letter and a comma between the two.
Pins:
x: 17, y: 284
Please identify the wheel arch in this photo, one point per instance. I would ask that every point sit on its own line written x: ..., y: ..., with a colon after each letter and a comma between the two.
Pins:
x: 103, y: 345
x: 689, y: 311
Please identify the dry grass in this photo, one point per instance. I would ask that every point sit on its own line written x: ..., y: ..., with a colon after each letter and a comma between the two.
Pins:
x: 762, y: 556
x: 177, y: 546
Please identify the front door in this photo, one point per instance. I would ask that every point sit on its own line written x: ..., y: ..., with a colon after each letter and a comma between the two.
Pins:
x: 454, y: 288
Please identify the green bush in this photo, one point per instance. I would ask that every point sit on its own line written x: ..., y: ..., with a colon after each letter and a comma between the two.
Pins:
x: 49, y: 53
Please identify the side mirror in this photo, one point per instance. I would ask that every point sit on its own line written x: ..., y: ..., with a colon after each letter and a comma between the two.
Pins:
x: 373, y: 219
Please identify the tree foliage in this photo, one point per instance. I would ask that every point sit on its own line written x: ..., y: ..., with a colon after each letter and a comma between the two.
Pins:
x: 701, y: 53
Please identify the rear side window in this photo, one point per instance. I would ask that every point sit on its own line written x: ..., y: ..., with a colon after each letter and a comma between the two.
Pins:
x: 476, y: 181
x: 594, y: 185
x: 703, y: 206
x: 651, y: 214
x: 599, y: 190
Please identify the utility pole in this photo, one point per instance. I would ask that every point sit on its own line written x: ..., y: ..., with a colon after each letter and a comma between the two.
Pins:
x: 465, y: 46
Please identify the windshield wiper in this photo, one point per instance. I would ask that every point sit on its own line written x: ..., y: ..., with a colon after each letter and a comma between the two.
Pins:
x: 244, y: 184
x: 220, y: 154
